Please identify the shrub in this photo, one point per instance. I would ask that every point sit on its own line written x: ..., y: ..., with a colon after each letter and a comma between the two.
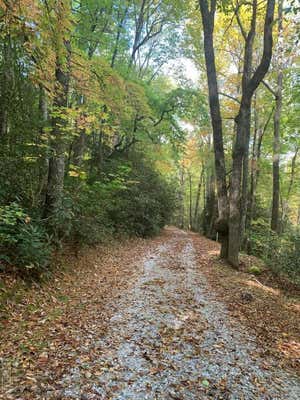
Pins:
x: 33, y: 248
x: 145, y: 203
x: 24, y: 243
x: 91, y: 223
x: 280, y: 252
x: 130, y: 199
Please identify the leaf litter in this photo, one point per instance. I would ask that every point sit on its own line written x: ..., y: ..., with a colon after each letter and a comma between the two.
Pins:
x: 146, y: 323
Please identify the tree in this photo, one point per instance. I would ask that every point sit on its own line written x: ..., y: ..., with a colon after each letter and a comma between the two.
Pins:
x: 208, y: 18
x: 62, y: 45
x: 250, y: 82
x: 277, y: 115
x: 89, y: 88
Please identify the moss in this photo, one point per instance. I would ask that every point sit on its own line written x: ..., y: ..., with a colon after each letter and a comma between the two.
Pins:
x: 254, y: 270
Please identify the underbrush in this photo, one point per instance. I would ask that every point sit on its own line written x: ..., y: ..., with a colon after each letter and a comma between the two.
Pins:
x: 281, y: 253
x: 129, y: 198
x: 24, y: 242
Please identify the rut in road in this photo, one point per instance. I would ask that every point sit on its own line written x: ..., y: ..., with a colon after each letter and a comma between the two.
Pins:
x: 169, y: 338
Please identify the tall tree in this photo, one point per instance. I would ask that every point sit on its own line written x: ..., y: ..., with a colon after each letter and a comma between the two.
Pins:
x: 243, y: 120
x: 250, y: 82
x: 208, y: 19
x: 195, y: 224
x: 62, y: 45
x: 259, y: 133
x: 275, y: 226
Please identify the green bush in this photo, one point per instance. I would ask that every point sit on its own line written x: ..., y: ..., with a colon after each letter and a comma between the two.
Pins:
x: 280, y: 252
x: 59, y: 225
x: 91, y: 223
x: 23, y: 243
x: 145, y: 204
x: 130, y: 199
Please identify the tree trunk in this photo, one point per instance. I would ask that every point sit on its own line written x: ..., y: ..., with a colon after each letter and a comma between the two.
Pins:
x: 43, y: 170
x: 7, y: 85
x: 181, y: 199
x: 292, y: 178
x: 249, y: 85
x: 239, y: 154
x: 138, y: 33
x: 239, y: 177
x: 208, y: 16
x: 244, y: 197
x: 243, y: 120
x: 275, y: 226
x: 256, y: 153
x: 79, y: 148
x: 293, y: 169
x: 55, y: 184
x: 119, y: 31
x: 210, y: 210
x: 190, y: 201
x: 253, y: 168
x: 196, y: 211
x: 276, y: 174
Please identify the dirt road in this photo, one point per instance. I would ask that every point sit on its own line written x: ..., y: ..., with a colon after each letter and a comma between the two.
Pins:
x: 170, y: 338
x: 151, y: 319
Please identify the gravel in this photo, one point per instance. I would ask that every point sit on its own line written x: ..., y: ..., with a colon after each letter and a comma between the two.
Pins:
x: 171, y: 339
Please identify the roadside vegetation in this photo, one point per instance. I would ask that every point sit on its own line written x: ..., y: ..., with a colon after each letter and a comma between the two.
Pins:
x: 119, y: 117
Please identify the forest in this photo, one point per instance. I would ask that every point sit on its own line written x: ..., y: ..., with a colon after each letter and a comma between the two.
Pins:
x: 149, y: 200
x: 119, y: 117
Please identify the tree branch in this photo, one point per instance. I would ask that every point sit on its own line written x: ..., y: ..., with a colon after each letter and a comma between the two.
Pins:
x: 230, y: 97
x: 264, y: 64
x: 236, y: 12
x: 269, y: 88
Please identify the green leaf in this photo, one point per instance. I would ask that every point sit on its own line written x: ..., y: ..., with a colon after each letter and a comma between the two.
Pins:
x: 205, y: 383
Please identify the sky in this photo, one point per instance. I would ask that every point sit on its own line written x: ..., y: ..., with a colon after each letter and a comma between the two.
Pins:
x: 184, y: 67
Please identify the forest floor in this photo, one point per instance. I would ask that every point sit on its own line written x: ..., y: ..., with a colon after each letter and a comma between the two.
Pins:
x: 150, y: 319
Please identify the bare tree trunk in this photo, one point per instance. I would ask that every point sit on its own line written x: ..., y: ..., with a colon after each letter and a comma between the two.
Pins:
x: 245, y: 191
x: 243, y: 120
x: 235, y: 185
x: 292, y: 178
x: 43, y: 170
x: 249, y: 85
x: 253, y: 168
x: 196, y: 210
x: 208, y: 18
x: 190, y: 201
x: 181, y: 193
x: 244, y: 198
x: 210, y: 211
x: 275, y: 226
x: 293, y: 168
x: 149, y: 22
x: 256, y: 153
x: 239, y: 177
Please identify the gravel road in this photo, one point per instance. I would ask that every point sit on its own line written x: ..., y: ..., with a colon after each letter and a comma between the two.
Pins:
x: 169, y: 338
